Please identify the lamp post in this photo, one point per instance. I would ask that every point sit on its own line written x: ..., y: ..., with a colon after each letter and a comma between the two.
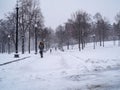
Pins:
x: 8, y: 44
x: 16, y: 44
x: 35, y: 38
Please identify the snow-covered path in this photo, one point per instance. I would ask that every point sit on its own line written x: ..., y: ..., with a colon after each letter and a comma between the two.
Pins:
x: 69, y: 70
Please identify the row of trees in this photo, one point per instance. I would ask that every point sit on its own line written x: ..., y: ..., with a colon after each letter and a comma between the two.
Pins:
x: 83, y: 28
x: 29, y: 15
x: 80, y: 29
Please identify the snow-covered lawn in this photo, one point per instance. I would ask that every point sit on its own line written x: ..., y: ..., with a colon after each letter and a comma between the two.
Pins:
x: 89, y: 69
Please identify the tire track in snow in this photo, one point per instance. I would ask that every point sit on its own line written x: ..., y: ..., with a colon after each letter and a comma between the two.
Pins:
x: 65, y: 58
x: 83, y: 63
x: 79, y: 60
x: 63, y: 61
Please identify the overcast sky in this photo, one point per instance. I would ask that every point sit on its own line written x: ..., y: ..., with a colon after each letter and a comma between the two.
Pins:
x: 57, y: 12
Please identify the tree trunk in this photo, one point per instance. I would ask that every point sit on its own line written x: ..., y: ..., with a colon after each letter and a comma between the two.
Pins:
x: 68, y: 45
x: 29, y: 41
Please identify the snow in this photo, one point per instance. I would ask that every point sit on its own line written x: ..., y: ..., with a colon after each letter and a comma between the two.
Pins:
x: 90, y: 69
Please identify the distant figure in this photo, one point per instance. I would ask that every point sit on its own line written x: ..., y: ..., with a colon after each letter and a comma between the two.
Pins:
x: 41, y: 47
x: 55, y: 48
x: 50, y: 50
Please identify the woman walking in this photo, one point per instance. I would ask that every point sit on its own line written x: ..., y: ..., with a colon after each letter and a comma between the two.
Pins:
x: 41, y: 47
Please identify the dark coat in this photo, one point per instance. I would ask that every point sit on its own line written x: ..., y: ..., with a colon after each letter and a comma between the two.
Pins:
x: 41, y: 46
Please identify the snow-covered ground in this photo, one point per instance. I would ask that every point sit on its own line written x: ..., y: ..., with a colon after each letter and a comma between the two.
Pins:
x: 89, y: 69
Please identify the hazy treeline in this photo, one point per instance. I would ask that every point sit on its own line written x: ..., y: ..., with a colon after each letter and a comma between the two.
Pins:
x: 29, y: 14
x: 80, y: 29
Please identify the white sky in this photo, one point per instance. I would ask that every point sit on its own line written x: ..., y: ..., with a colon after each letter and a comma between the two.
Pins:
x: 57, y: 12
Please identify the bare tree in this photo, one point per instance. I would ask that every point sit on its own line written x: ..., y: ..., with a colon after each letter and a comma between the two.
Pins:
x: 29, y: 15
x: 67, y: 34
x: 102, y: 27
x: 60, y: 34
x: 98, y: 18
x: 117, y: 26
x: 81, y: 24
